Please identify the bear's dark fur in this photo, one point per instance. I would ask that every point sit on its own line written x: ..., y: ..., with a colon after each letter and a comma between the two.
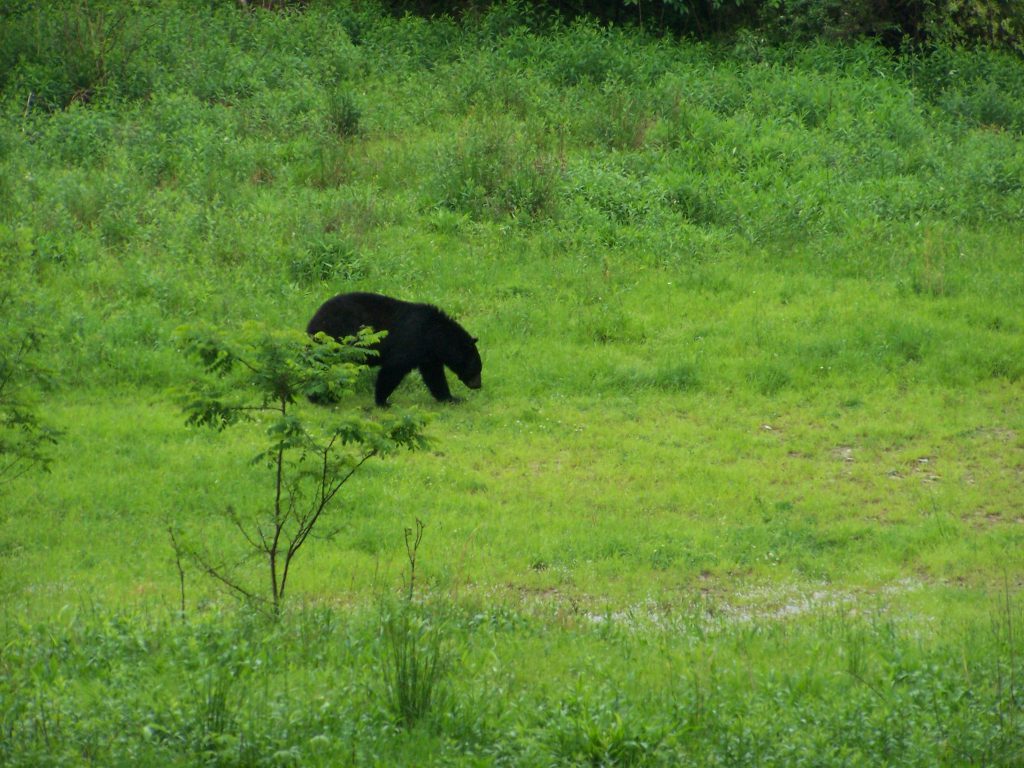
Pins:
x: 418, y: 336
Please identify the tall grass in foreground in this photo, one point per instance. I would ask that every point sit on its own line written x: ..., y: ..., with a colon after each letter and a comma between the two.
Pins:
x: 228, y: 689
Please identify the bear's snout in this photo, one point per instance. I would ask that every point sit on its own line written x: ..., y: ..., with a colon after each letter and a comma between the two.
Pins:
x: 473, y: 383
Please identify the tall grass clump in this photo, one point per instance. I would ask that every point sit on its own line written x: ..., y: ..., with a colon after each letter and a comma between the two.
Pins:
x: 344, y: 114
x: 416, y: 660
x: 417, y: 651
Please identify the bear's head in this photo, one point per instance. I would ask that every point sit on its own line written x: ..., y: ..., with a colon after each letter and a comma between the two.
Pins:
x: 467, y: 364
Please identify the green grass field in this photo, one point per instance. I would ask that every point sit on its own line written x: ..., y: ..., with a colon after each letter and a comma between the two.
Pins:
x: 744, y: 482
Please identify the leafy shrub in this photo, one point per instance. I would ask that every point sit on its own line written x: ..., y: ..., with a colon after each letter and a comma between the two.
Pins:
x: 986, y: 105
x: 984, y: 23
x: 586, y: 53
x: 614, y: 192
x: 26, y: 438
x: 979, y: 88
x: 620, y: 117
x: 837, y: 20
x: 697, y: 199
x: 411, y: 42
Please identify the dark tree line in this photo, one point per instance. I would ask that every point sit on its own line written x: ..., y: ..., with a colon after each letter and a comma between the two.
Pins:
x: 897, y: 23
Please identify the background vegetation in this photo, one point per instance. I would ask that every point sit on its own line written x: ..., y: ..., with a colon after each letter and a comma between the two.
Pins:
x: 743, y: 482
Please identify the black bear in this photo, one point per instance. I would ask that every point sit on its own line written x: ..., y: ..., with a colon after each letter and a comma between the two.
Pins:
x: 418, y: 336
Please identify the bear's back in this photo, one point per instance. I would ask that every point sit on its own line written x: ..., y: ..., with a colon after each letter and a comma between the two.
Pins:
x: 344, y: 314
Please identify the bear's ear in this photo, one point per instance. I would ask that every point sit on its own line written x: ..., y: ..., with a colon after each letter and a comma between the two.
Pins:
x: 475, y: 339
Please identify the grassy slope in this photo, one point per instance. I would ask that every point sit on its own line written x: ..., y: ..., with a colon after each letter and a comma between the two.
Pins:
x: 751, y: 326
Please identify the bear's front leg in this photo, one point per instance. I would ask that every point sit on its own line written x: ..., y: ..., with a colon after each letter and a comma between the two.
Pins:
x: 434, y: 378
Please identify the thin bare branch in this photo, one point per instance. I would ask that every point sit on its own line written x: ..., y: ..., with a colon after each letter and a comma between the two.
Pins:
x: 181, y: 570
x: 217, y: 573
x: 237, y: 521
x: 304, y: 532
x: 337, y: 485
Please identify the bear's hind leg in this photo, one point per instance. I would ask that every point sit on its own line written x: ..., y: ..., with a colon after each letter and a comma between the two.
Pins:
x: 433, y: 377
x: 387, y: 380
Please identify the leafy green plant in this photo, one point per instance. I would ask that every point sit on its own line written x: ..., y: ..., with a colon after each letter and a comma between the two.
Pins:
x: 262, y: 375
x: 600, y: 735
x: 25, y: 436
